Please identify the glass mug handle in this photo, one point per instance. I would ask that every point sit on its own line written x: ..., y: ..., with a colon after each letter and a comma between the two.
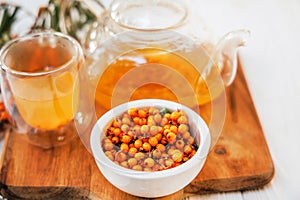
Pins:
x: 78, y: 17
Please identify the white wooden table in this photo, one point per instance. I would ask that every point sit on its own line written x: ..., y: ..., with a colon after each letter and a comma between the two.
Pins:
x: 272, y: 68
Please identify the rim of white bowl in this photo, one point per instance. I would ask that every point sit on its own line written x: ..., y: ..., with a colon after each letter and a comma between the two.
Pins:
x: 103, y: 121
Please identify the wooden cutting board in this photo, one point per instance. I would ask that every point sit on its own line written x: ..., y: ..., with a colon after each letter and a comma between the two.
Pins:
x: 240, y: 160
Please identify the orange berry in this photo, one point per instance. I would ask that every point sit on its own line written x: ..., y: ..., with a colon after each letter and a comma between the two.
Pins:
x: 142, y: 121
x: 153, y: 141
x: 183, y: 128
x: 132, y: 162
x: 158, y: 136
x: 157, y: 118
x: 187, y: 149
x: 179, y: 144
x: 171, y: 137
x: 115, y: 140
x: 137, y: 167
x: 139, y: 156
x: 136, y: 120
x: 125, y: 128
x: 126, y: 120
x: 144, y: 129
x: 142, y: 113
x: 154, y: 130
x: 126, y: 139
x: 149, y: 162
x: 133, y: 112
x: 132, y: 151
x: 173, y: 128
x: 138, y: 143
x: 146, y: 146
x: 182, y: 120
x: 120, y: 157
x: 108, y: 146
x: 124, y: 147
x: 175, y: 115
x: 161, y: 147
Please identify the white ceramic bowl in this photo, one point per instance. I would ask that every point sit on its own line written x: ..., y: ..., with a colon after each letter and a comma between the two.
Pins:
x: 158, y: 183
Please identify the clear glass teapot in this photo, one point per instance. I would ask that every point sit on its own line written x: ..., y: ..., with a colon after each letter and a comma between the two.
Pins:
x: 144, y: 49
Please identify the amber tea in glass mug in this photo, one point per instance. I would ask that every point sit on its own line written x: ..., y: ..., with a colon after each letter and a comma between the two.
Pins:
x: 40, y: 86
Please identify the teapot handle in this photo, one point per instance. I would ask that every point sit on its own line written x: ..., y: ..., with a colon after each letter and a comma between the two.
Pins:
x: 225, y: 53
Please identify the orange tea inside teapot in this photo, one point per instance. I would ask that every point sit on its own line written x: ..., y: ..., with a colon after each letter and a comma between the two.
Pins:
x: 153, y: 73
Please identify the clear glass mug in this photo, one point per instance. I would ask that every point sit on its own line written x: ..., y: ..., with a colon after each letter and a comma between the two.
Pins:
x: 145, y: 49
x: 39, y: 83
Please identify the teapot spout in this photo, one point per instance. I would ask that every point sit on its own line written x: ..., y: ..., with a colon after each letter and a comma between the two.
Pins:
x: 226, y: 51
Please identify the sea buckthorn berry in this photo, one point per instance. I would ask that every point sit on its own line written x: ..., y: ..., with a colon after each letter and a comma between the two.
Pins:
x: 146, y: 146
x: 167, y: 116
x: 144, y: 129
x: 177, y: 156
x: 186, y: 135
x: 153, y: 111
x: 132, y: 162
x: 132, y: 151
x: 191, y: 140
x: 126, y: 120
x: 171, y: 137
x: 157, y: 118
x: 142, y: 121
x: 120, y: 157
x: 154, y: 130
x: 169, y: 163
x: 183, y: 128
x: 175, y: 115
x: 185, y: 158
x: 139, y: 156
x: 136, y: 120
x: 182, y: 120
x: 160, y: 147
x: 124, y: 164
x: 108, y: 146
x: 124, y: 147
x: 158, y: 136
x: 193, y: 153
x: 151, y: 122
x: 133, y: 112
x: 149, y: 162
x: 167, y: 126
x: 164, y: 121
x: 117, y: 123
x: 164, y: 140
x: 187, y: 149
x: 115, y: 140
x: 173, y: 128
x: 125, y: 128
x: 131, y: 134
x: 153, y: 141
x: 125, y: 139
x: 166, y: 131
x: 142, y: 113
x: 138, y: 143
x: 117, y: 131
x: 171, y: 151
x: 109, y: 155
x: 137, y: 167
x: 179, y: 144
x: 136, y: 129
x: 156, y: 153
x: 182, y: 113
x: 147, y: 169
